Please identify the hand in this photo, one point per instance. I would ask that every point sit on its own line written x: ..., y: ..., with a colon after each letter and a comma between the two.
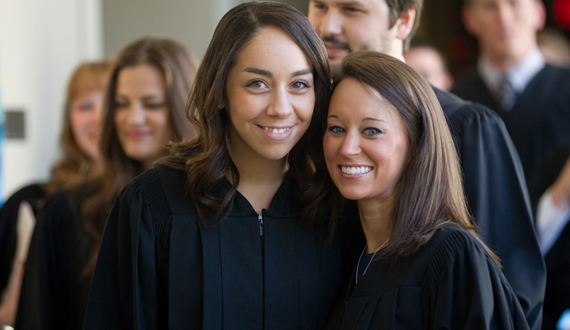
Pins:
x: 560, y: 190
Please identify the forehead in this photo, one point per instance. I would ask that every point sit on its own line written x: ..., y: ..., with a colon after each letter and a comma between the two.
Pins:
x: 269, y: 42
x: 480, y: 2
x: 351, y: 95
x: 364, y: 3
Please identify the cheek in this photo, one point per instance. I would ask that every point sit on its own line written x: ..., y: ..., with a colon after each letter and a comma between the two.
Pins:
x: 119, y: 119
x: 330, y: 148
x: 306, y: 107
x: 78, y: 122
x: 162, y: 123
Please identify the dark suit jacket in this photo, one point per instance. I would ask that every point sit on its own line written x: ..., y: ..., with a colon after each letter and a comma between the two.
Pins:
x: 539, y: 119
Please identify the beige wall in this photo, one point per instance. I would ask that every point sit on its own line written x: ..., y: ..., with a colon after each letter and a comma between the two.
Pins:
x: 191, y: 22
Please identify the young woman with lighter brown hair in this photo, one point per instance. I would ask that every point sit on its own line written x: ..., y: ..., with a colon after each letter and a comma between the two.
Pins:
x: 421, y: 266
x: 144, y: 110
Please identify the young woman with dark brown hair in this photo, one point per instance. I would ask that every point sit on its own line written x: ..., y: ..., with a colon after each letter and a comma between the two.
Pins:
x: 80, y: 161
x: 387, y: 147
x: 144, y: 110
x: 212, y: 238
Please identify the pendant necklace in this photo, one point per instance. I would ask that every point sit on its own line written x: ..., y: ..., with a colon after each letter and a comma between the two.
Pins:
x: 369, y: 262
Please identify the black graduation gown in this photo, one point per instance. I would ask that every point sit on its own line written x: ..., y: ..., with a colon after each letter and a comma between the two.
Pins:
x: 34, y: 195
x: 450, y: 283
x: 540, y: 117
x: 159, y: 267
x: 54, y: 292
x: 497, y: 196
x: 557, y: 295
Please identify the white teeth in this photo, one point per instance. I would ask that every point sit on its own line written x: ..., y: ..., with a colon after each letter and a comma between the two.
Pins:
x: 355, y: 169
x: 277, y: 130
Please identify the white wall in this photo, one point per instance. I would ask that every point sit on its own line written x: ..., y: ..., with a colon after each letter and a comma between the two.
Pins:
x: 41, y: 42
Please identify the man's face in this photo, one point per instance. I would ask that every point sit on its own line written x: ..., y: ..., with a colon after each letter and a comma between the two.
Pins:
x: 506, y: 29
x: 352, y: 25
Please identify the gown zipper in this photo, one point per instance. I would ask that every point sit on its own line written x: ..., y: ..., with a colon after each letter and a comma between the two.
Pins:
x: 261, y: 218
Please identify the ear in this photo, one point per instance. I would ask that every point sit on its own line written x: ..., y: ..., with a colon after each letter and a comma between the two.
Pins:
x: 540, y: 14
x: 468, y: 21
x: 405, y: 23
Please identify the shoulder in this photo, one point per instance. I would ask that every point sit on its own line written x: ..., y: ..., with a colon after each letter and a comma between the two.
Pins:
x: 454, y: 246
x: 466, y: 81
x: 159, y: 188
x: 30, y: 193
x: 455, y: 107
x: 556, y: 72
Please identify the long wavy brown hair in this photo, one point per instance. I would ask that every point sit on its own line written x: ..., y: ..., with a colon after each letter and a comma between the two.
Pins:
x: 75, y: 165
x: 178, y: 66
x: 430, y: 192
x: 206, y: 160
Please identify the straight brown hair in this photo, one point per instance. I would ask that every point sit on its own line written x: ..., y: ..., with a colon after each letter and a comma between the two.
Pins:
x: 430, y: 192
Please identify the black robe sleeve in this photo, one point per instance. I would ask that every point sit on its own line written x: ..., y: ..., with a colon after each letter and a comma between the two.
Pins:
x: 466, y: 289
x: 8, y: 224
x: 498, y: 198
x: 126, y: 291
x: 54, y: 292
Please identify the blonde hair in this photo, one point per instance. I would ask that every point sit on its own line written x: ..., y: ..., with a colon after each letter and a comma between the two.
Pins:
x: 75, y: 165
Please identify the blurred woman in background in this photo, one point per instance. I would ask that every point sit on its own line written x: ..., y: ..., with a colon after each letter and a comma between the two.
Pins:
x: 144, y: 110
x: 81, y: 161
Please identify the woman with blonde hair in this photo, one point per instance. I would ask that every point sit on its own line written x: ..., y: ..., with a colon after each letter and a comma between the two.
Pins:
x: 144, y: 110
x: 80, y: 161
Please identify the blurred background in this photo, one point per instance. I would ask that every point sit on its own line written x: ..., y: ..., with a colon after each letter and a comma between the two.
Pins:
x: 41, y: 42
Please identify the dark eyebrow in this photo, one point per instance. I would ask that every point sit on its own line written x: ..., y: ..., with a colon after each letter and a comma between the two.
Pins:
x: 370, y: 118
x: 259, y: 71
x: 301, y: 73
x: 269, y: 74
x: 350, y: 3
x: 364, y: 119
x: 153, y: 97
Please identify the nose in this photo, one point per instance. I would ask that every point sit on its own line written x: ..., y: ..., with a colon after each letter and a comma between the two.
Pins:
x: 327, y: 23
x: 351, y: 144
x: 280, y: 105
x: 136, y: 115
x: 505, y: 13
x: 97, y: 113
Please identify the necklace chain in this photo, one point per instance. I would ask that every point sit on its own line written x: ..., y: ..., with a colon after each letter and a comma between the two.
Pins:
x: 369, y: 262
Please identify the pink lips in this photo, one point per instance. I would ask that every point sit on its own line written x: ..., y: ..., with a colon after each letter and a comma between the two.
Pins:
x: 333, y: 49
x: 135, y: 134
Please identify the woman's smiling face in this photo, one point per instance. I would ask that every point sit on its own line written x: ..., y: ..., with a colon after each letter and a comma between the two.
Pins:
x: 366, y: 142
x: 269, y: 96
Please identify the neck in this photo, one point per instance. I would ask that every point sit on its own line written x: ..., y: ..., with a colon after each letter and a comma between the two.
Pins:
x: 397, y: 49
x: 504, y: 61
x: 376, y: 217
x: 259, y: 178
